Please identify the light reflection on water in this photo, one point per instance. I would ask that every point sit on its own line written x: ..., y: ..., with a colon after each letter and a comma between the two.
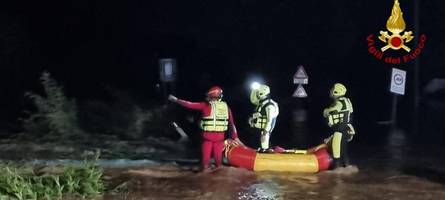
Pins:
x: 264, y: 190
x: 232, y: 183
x: 392, y: 171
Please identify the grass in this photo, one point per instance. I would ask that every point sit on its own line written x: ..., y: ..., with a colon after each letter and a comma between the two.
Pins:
x: 21, y: 182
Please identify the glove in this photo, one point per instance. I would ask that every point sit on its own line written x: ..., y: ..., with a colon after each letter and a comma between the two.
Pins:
x: 264, y: 132
x: 237, y: 142
x: 256, y: 115
x: 351, y: 132
x: 350, y: 138
x: 351, y: 129
x: 325, y: 113
x: 327, y: 140
x: 172, y: 98
x: 251, y: 123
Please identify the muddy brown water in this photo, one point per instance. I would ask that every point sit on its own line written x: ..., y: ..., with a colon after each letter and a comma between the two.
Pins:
x: 384, y: 174
x: 395, y: 170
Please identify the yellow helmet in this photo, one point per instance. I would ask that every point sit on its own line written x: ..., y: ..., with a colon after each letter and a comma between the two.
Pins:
x: 338, y: 90
x: 263, y: 91
x: 259, y: 93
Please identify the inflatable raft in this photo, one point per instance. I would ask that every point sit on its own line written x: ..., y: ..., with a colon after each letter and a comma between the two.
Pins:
x: 308, y: 161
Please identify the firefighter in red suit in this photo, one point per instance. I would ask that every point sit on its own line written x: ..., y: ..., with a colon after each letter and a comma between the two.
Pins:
x: 216, y: 120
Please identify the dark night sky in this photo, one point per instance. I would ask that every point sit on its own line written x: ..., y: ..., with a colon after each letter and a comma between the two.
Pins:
x: 87, y: 45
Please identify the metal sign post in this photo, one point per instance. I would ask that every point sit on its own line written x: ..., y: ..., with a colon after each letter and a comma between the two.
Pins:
x: 398, y: 80
x: 299, y: 113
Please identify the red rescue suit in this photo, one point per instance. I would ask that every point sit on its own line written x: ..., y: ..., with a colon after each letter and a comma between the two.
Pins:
x: 212, y: 141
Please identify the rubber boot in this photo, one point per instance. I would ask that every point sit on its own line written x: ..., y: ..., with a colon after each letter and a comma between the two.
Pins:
x: 336, y: 163
x: 346, y: 161
x: 261, y: 150
x: 270, y: 150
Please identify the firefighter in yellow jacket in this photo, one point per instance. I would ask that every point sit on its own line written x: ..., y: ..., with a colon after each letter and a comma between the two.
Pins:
x: 265, y: 115
x: 339, y: 118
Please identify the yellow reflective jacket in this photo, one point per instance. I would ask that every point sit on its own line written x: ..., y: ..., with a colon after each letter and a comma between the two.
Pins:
x: 339, y: 112
x: 264, y: 114
x: 218, y: 120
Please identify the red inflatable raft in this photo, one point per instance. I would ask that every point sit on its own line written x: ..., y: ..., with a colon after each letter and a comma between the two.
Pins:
x: 309, y: 161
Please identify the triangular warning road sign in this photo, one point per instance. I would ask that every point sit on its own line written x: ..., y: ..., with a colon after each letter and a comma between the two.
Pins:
x: 300, y: 77
x: 300, y: 73
x: 300, y: 92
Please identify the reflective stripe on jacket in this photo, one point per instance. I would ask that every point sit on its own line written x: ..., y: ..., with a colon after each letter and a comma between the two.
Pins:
x: 261, y: 119
x: 217, y: 121
x: 343, y: 114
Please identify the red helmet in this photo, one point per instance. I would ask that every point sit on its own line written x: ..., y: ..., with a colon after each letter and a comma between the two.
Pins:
x: 215, y: 92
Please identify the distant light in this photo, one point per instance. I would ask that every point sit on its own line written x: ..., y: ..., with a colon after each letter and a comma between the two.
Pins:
x: 255, y: 86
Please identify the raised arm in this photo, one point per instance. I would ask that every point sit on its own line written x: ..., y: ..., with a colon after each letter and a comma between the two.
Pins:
x: 187, y: 104
x: 191, y: 105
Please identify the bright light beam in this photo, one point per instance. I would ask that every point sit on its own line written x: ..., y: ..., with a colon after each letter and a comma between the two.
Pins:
x: 255, y: 85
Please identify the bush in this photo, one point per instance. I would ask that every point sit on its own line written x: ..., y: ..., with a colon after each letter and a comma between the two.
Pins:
x: 139, y: 120
x: 55, y: 115
x: 126, y: 117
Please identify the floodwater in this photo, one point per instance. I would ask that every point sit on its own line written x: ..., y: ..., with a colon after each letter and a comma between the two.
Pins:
x: 392, y: 171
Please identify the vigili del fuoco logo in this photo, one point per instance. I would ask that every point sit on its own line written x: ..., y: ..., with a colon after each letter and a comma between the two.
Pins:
x: 395, y: 39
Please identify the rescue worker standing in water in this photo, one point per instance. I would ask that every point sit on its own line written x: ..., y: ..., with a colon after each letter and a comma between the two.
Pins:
x: 339, y: 117
x: 265, y: 115
x: 216, y: 120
